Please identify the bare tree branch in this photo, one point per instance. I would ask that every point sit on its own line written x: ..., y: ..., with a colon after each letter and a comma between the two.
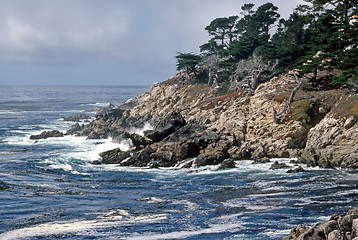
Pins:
x: 280, y: 117
x: 248, y: 72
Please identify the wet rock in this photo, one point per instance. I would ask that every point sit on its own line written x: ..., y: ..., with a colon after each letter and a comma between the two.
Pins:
x: 174, y: 119
x: 261, y: 160
x: 96, y: 162
x: 296, y: 170
x: 214, y: 154
x: 102, y: 110
x: 227, y: 163
x: 276, y: 165
x: 172, y: 123
x: 3, y: 186
x: 185, y: 149
x: 47, y: 134
x: 138, y: 141
x: 114, y: 156
x: 75, y: 129
x: 76, y: 118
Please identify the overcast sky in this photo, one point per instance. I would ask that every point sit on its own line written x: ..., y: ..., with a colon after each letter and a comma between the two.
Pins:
x: 105, y: 42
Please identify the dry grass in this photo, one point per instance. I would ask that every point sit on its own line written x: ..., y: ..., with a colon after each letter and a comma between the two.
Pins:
x: 300, y: 111
x: 215, y: 101
x: 347, y: 107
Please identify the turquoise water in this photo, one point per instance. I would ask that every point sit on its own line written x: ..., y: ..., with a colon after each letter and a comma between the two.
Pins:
x: 49, y: 189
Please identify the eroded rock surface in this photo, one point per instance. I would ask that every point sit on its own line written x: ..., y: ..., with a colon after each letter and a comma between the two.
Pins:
x: 338, y: 227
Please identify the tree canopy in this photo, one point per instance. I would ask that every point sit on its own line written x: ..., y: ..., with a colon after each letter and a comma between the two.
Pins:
x: 327, y: 27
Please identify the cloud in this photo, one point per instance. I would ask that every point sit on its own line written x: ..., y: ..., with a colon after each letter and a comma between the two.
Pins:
x: 58, y: 31
x: 132, y: 35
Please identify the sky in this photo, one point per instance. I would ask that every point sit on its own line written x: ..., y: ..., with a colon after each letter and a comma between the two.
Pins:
x: 105, y: 42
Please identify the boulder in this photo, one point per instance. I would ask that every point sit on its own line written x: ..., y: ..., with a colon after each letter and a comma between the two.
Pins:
x: 276, y: 165
x: 47, y: 134
x: 114, y: 156
x: 296, y: 170
x: 185, y: 149
x: 296, y: 232
x: 75, y: 129
x: 227, y: 163
x: 336, y: 235
x: 138, y: 141
x: 214, y: 154
x: 174, y: 119
x: 338, y: 227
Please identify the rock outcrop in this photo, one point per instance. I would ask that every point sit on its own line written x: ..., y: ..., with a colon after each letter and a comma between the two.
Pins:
x: 338, y: 227
x: 192, y: 126
x: 47, y: 134
x: 332, y: 143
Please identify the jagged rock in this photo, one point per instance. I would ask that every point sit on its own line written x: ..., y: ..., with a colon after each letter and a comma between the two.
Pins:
x: 336, y: 235
x: 350, y: 122
x: 167, y: 126
x: 339, y: 227
x: 114, y: 156
x: 138, y: 141
x: 214, y: 154
x: 331, y: 144
x: 276, y: 165
x: 261, y: 160
x: 227, y: 163
x: 47, y: 134
x: 76, y: 118
x: 103, y: 109
x: 296, y: 232
x: 157, y: 136
x: 296, y: 170
x: 74, y: 129
x: 174, y: 119
x: 185, y: 149
x: 96, y: 162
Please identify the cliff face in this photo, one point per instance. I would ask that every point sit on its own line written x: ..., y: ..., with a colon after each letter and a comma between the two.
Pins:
x: 318, y: 130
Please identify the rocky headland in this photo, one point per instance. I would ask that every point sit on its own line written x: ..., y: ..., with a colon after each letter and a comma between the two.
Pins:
x: 192, y: 125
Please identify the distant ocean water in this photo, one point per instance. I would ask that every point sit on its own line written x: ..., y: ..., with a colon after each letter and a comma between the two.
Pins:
x: 49, y: 189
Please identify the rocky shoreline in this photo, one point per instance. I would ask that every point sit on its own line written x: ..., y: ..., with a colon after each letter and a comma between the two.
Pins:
x: 188, y: 125
x: 192, y: 126
x: 338, y: 227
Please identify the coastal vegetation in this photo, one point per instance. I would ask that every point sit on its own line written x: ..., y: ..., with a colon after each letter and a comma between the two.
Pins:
x: 247, y: 49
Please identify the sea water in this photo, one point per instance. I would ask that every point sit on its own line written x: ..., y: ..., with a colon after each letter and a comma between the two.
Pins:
x: 50, y: 190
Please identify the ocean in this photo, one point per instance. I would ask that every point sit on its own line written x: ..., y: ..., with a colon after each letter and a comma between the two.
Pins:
x: 50, y: 190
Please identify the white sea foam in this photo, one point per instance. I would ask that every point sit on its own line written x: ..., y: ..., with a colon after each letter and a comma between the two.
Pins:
x: 107, y: 220
x: 140, y: 131
x: 95, y: 104
x: 213, y: 228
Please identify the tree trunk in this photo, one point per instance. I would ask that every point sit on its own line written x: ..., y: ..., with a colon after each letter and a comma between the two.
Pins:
x: 280, y: 118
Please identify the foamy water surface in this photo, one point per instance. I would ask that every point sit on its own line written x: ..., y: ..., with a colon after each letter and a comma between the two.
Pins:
x: 50, y: 190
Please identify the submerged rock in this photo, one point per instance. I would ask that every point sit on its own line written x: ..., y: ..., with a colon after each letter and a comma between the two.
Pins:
x: 47, y: 134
